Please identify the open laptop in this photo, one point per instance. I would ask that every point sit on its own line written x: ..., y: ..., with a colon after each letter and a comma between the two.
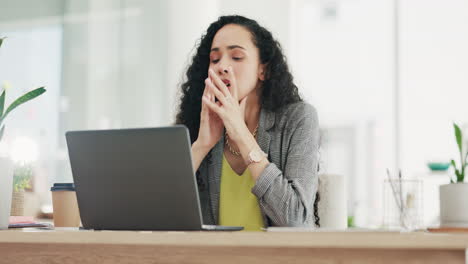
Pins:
x: 136, y: 179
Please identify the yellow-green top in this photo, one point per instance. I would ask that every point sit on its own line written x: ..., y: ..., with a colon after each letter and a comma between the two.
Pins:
x: 237, y: 205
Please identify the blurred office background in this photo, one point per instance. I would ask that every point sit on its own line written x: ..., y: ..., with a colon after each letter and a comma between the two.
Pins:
x: 387, y: 77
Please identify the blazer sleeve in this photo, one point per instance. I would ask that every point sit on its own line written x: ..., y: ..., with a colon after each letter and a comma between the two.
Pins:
x: 287, y: 196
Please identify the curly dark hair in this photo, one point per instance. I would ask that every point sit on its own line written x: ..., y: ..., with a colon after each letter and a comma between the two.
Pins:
x: 277, y: 89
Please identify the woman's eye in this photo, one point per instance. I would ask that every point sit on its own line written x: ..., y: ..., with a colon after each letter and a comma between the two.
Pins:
x: 234, y: 58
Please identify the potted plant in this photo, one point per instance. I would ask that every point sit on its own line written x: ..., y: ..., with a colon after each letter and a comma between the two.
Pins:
x: 21, y: 181
x: 454, y: 196
x: 6, y: 166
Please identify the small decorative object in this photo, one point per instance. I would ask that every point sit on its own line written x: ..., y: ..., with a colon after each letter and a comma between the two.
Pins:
x: 453, y: 196
x: 6, y: 167
x: 438, y: 166
x: 402, y: 202
x: 21, y: 181
x: 351, y: 221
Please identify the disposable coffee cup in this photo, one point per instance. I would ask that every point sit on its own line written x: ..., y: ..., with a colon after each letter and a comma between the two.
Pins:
x: 66, y: 213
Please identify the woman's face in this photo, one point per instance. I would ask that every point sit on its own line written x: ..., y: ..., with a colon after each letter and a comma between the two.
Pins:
x: 233, y: 46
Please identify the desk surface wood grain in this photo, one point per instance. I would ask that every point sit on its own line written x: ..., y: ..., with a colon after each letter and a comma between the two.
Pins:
x: 414, y: 240
x: 25, y: 247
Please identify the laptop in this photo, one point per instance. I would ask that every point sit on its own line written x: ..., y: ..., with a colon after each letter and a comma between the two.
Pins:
x: 136, y: 179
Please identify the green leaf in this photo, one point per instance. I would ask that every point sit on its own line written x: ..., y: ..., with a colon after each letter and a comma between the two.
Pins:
x: 1, y: 132
x: 457, y: 173
x: 2, y: 102
x: 1, y: 41
x: 463, y: 166
x: 458, y: 136
x: 453, y: 164
x: 23, y: 99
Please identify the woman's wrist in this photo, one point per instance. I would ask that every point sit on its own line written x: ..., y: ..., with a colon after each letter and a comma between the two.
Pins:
x: 198, y: 147
x: 199, y: 152
x: 239, y: 133
x: 246, y: 143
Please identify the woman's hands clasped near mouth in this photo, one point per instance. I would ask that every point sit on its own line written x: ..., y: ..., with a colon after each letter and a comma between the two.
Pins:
x: 227, y: 108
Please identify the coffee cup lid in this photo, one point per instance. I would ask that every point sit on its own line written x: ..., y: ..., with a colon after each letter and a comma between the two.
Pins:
x: 63, y: 187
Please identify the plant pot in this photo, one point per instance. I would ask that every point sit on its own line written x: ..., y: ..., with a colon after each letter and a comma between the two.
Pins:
x: 454, y: 205
x: 17, y: 203
x: 6, y: 189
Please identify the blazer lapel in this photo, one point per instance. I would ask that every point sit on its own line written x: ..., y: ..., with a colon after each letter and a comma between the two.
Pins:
x: 267, y: 120
x: 215, y: 164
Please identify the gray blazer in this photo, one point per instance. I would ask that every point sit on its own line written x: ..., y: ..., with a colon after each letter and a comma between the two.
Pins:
x: 286, y: 189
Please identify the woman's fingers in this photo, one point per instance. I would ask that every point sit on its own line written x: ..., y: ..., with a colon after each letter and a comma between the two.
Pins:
x: 219, y: 83
x: 221, y: 97
x: 205, y: 91
x: 233, y: 81
x: 212, y: 106
x: 211, y: 96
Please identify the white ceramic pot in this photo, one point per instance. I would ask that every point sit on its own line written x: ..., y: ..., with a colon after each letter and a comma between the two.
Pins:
x: 6, y: 189
x: 454, y: 205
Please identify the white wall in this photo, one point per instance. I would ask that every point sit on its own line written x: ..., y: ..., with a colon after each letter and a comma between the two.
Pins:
x: 26, y: 11
x: 274, y: 15
x: 343, y: 64
x: 187, y: 21
x: 434, y: 80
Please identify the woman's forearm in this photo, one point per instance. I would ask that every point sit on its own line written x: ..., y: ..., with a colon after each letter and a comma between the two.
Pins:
x: 198, y: 154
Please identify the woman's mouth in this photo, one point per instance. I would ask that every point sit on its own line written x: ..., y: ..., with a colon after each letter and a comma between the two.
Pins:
x: 227, y: 82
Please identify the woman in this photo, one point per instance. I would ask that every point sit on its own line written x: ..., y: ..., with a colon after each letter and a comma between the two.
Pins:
x: 254, y: 141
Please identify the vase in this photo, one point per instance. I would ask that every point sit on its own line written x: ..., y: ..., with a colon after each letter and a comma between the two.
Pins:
x: 17, y: 203
x: 332, y: 206
x: 6, y: 189
x: 454, y: 205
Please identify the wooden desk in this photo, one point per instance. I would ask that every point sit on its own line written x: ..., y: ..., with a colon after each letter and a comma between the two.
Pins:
x: 238, y: 247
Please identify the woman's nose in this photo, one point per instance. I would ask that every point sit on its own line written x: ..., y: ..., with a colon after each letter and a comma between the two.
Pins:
x: 222, y: 68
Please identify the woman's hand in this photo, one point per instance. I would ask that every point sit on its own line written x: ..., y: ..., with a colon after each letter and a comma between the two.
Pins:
x: 228, y: 107
x: 211, y: 126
